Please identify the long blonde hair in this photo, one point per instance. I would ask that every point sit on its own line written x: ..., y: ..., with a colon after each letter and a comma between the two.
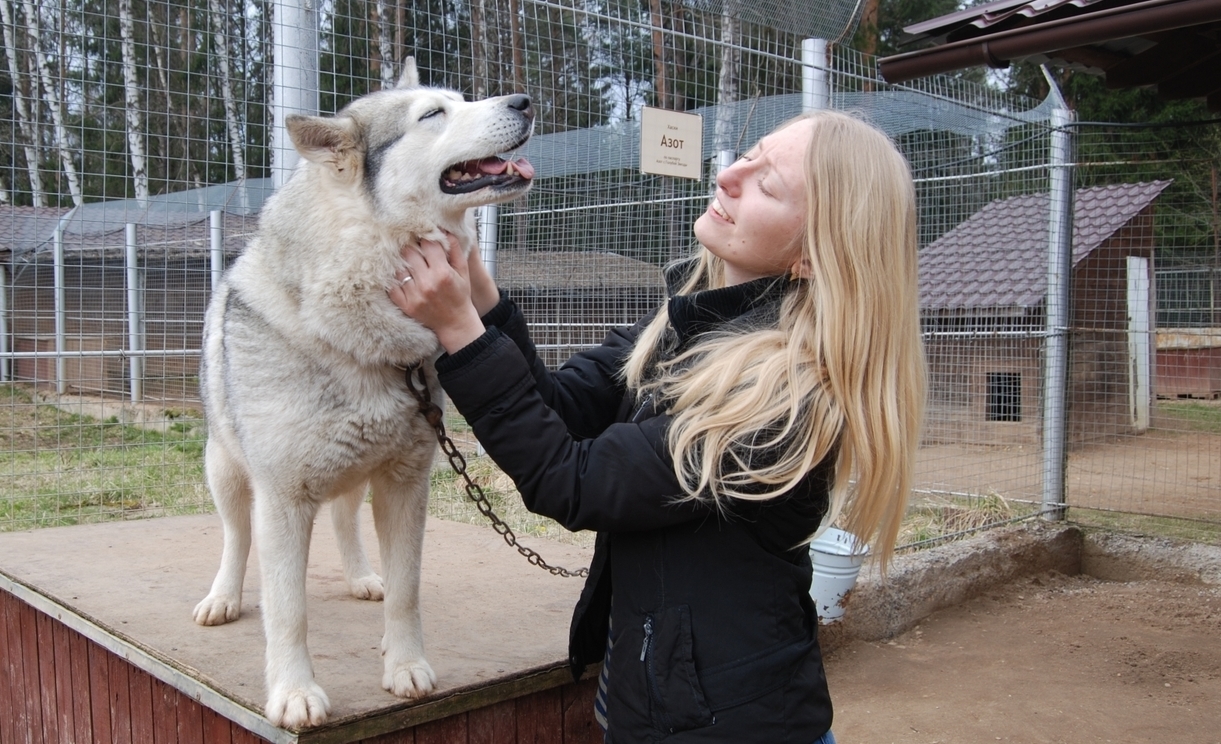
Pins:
x: 842, y: 373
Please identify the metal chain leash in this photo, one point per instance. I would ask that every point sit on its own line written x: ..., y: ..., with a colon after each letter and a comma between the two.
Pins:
x: 418, y: 385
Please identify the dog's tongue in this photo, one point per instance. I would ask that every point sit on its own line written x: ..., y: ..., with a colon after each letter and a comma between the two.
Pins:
x: 496, y: 166
x: 524, y: 168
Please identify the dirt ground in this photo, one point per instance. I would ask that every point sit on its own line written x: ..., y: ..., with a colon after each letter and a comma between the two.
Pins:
x: 1161, y: 472
x: 1052, y: 659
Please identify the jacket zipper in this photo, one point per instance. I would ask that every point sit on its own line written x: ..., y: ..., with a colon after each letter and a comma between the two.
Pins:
x: 640, y: 409
x: 647, y: 657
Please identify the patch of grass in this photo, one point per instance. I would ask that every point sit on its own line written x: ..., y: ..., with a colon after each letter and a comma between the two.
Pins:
x: 61, y: 468
x: 1138, y: 524
x: 937, y: 516
x: 1192, y: 415
x: 448, y: 497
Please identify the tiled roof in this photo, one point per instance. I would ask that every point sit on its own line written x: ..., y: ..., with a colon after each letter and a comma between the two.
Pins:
x: 998, y: 257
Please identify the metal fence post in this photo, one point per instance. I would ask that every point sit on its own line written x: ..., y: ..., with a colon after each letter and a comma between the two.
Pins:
x: 61, y: 310
x: 4, y: 360
x: 135, y: 315
x: 815, y: 75
x: 488, y: 236
x: 295, y: 80
x: 216, y: 247
x: 1059, y: 311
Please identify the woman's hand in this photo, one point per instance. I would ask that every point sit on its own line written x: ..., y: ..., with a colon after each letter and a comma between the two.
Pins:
x: 434, y: 288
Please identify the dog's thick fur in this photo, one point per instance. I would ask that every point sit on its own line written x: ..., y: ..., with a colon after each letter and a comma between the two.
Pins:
x: 303, y: 366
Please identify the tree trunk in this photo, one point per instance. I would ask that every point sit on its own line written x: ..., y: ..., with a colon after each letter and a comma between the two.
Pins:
x: 25, y: 123
x: 51, y: 93
x: 727, y: 82
x: 219, y: 22
x: 479, y: 48
x: 869, y: 27
x: 131, y: 101
x: 519, y: 51
x: 385, y: 45
x: 660, y: 72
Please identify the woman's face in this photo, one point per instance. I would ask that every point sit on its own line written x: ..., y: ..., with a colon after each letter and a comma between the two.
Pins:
x: 757, y: 218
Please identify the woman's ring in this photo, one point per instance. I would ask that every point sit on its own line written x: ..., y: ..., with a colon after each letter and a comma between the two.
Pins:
x: 406, y: 279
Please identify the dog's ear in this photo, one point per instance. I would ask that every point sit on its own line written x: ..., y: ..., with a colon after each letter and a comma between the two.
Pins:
x: 410, y: 77
x: 330, y: 141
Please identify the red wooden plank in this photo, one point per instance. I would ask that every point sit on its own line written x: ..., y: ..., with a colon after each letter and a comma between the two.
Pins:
x: 450, y: 730
x: 120, y: 699
x: 140, y: 687
x: 29, y: 711
x: 242, y: 735
x: 394, y: 737
x: 8, y: 687
x: 82, y: 713
x: 45, y: 640
x: 578, y: 704
x: 216, y: 728
x: 540, y: 718
x: 99, y: 693
x: 27, y: 617
x: 164, y: 711
x: 65, y: 705
x: 190, y: 721
x: 495, y: 724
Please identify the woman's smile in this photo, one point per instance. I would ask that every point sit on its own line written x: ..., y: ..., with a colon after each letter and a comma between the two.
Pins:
x: 716, y: 208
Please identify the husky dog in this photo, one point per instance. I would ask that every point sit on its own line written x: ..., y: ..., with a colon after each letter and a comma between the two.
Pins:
x: 303, y: 365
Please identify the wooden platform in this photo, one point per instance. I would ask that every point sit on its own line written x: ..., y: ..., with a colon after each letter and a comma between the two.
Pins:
x: 98, y: 643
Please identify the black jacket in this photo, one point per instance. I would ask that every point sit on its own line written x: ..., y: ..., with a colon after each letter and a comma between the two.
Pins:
x: 715, y: 631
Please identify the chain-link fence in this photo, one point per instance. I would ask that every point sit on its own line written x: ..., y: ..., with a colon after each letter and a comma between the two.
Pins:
x: 162, y: 119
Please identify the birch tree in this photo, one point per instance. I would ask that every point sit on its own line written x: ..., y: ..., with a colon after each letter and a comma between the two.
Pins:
x: 131, y: 100
x: 25, y: 122
x: 385, y: 45
x: 727, y: 84
x: 52, y: 98
x: 221, y: 52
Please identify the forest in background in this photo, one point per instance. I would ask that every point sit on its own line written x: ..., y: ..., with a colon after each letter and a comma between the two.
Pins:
x: 110, y: 99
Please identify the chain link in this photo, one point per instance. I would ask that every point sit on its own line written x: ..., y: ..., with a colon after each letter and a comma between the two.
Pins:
x: 418, y: 385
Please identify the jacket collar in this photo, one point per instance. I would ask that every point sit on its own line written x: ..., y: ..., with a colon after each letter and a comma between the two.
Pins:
x: 754, y: 302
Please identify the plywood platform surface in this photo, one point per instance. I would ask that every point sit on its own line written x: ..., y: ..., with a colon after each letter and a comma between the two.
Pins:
x: 489, y: 616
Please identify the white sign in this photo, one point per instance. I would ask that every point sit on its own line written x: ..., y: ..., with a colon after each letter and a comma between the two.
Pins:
x: 671, y: 143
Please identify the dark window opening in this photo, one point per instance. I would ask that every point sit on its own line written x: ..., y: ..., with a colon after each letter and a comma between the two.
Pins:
x: 1004, y: 396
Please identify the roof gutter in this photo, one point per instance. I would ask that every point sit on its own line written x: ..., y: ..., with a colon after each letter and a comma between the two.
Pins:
x: 996, y: 50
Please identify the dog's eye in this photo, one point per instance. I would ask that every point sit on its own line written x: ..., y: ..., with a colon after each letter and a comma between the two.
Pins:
x: 434, y: 112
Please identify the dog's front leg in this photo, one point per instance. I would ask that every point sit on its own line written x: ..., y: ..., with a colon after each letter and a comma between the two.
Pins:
x: 284, y: 523
x: 399, y: 511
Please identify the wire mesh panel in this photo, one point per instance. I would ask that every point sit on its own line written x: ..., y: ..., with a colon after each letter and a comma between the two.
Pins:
x: 157, y: 114
x: 1146, y: 309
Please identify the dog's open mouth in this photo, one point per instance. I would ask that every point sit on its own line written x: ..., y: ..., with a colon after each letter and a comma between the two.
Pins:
x: 473, y: 175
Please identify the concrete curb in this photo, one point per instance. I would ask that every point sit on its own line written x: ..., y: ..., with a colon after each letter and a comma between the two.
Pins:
x: 1116, y: 557
x: 921, y: 583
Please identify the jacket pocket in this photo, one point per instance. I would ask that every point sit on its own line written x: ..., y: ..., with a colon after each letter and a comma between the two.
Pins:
x: 675, y: 695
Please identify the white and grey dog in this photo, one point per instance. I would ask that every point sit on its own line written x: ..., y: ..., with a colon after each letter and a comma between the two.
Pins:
x: 303, y: 365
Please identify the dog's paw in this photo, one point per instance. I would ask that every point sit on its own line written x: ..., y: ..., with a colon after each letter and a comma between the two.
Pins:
x: 368, y: 587
x: 217, y: 610
x: 411, y: 679
x: 294, y: 708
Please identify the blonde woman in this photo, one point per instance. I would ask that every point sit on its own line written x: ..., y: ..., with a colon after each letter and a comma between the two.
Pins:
x: 708, y: 443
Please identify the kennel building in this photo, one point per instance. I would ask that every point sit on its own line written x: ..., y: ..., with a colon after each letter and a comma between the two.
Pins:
x: 983, y: 287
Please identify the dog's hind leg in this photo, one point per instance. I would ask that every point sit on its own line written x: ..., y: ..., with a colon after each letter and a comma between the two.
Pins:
x: 284, y: 521
x: 399, y: 511
x: 230, y: 489
x: 345, y: 517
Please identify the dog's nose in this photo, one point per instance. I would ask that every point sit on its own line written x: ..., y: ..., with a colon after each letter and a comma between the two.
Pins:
x: 521, y: 102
